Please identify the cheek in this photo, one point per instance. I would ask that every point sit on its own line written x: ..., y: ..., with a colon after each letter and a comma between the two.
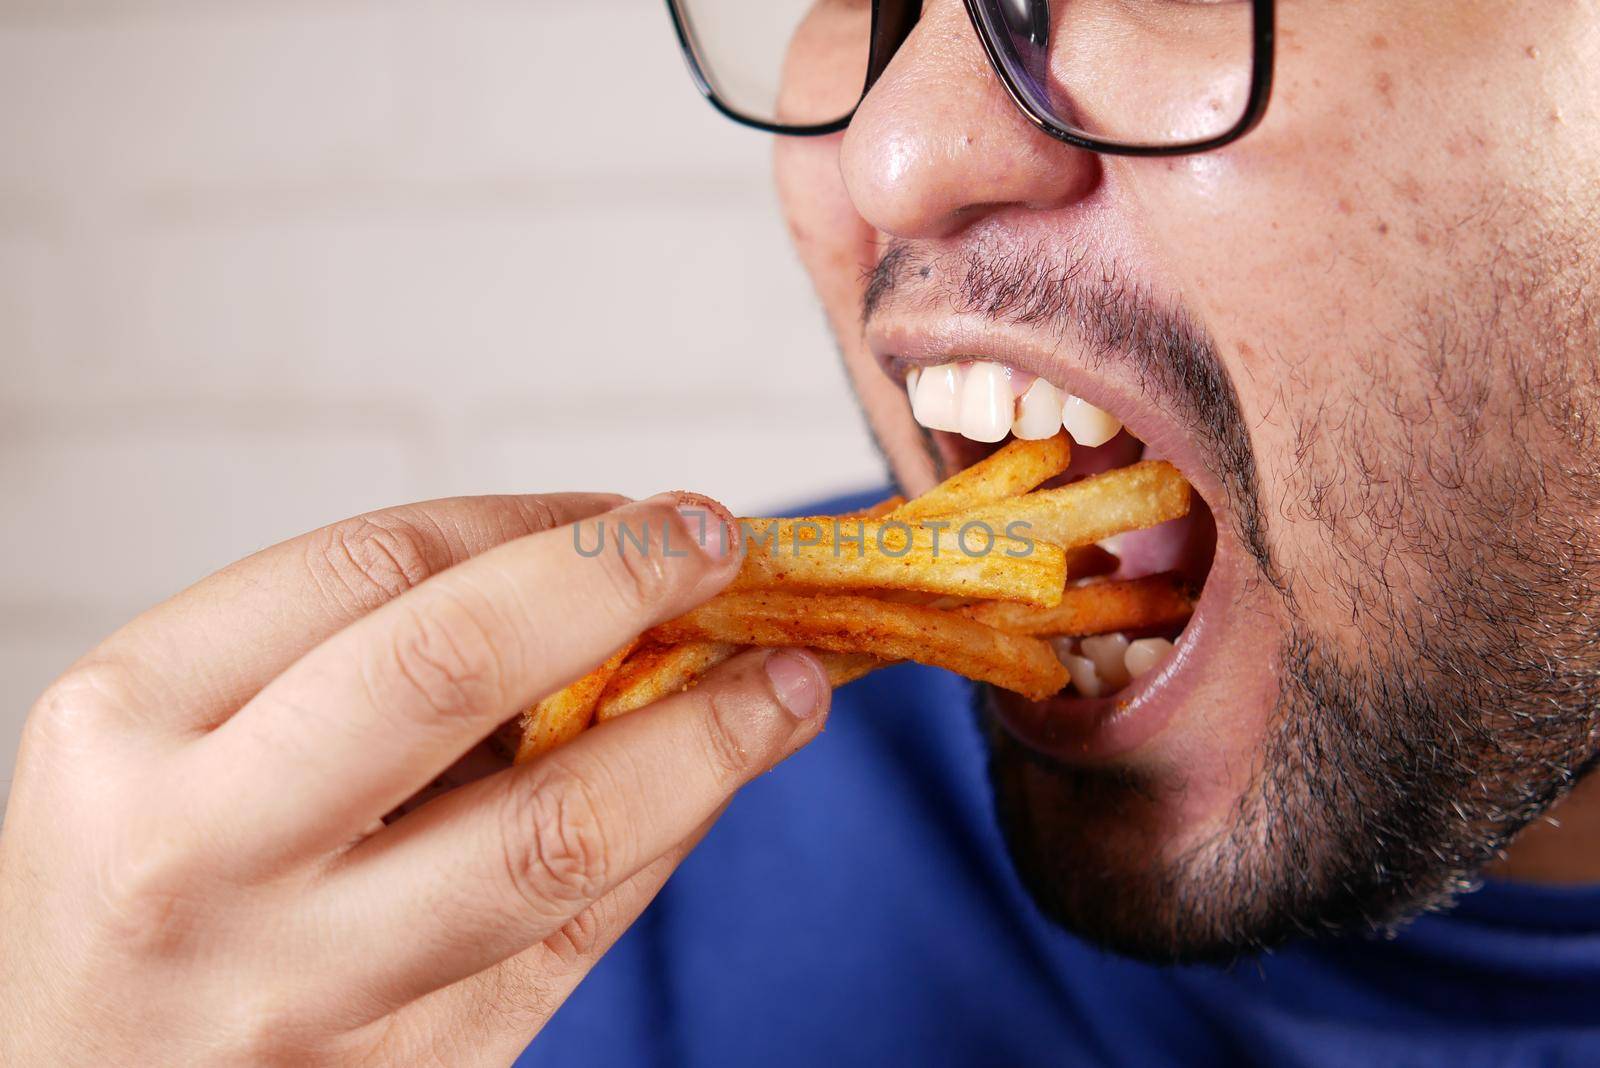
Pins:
x: 836, y: 247
x: 838, y: 250
x: 834, y: 243
x: 1364, y: 186
x: 1391, y: 171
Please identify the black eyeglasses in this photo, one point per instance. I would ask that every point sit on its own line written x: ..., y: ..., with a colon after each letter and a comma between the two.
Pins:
x: 1125, y: 77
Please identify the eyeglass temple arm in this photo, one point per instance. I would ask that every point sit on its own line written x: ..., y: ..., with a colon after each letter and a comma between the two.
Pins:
x: 892, y: 22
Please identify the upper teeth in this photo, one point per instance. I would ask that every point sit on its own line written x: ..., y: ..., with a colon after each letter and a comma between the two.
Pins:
x: 935, y: 401
x: 987, y: 404
x: 1088, y: 425
x: 1038, y: 412
x: 977, y: 401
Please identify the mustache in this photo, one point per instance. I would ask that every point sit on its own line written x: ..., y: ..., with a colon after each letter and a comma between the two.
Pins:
x: 1097, y: 307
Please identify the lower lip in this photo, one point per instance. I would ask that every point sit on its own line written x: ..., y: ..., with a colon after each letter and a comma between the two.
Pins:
x: 1076, y: 730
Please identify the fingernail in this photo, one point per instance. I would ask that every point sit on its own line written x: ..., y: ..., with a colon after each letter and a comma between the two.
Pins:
x: 796, y: 683
x: 706, y: 529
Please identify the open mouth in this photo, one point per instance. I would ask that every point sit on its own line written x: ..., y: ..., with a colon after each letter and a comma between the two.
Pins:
x: 1125, y: 684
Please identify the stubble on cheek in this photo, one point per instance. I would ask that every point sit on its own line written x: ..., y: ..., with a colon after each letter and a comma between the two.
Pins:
x: 1457, y: 438
x: 1440, y: 539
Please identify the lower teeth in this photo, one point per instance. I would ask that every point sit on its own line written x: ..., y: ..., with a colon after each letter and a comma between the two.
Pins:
x: 1146, y: 655
x: 1105, y: 663
x: 1107, y: 652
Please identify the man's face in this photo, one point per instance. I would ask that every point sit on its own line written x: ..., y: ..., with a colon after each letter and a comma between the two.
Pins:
x: 1367, y: 333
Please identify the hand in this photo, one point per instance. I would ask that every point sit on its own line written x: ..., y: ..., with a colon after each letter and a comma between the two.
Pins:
x: 195, y: 865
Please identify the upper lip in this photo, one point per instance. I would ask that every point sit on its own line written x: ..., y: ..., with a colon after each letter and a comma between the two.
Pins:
x: 1107, y: 382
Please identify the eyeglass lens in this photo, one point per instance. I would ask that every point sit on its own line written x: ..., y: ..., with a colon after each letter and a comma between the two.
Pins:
x: 1125, y: 71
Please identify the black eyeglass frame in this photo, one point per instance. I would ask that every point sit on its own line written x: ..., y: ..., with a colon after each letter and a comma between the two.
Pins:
x: 892, y: 22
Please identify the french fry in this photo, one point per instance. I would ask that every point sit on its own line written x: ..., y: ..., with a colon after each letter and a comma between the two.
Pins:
x: 876, y: 511
x: 1013, y: 469
x: 1086, y: 561
x: 1096, y: 608
x: 658, y: 671
x: 1129, y: 498
x: 982, y: 614
x: 851, y: 624
x: 973, y: 562
x: 846, y: 668
x: 565, y: 714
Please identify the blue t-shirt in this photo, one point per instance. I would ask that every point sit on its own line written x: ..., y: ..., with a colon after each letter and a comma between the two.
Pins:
x: 856, y: 907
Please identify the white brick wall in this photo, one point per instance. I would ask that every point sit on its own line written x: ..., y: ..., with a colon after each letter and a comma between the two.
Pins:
x: 265, y: 263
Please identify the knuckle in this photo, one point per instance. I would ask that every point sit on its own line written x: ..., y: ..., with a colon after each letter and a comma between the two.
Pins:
x: 541, y: 512
x: 556, y: 849
x: 76, y: 708
x: 446, y: 656
x: 537, y: 514
x: 265, y: 1025
x: 639, y: 576
x: 580, y: 938
x: 370, y: 560
x: 726, y: 721
x: 145, y: 896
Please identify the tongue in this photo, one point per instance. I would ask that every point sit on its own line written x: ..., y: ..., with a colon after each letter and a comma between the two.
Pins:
x: 1149, y: 552
x: 1183, y: 545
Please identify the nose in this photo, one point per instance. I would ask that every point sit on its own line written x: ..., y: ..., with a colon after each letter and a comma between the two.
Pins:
x: 938, y: 144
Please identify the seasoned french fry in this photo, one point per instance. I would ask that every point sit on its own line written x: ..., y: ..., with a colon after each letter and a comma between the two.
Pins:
x: 1013, y: 469
x: 877, y: 511
x: 847, y: 624
x: 1097, y: 608
x: 563, y: 715
x: 982, y: 614
x: 845, y: 668
x: 658, y: 671
x: 1086, y: 561
x: 1129, y: 498
x: 970, y: 561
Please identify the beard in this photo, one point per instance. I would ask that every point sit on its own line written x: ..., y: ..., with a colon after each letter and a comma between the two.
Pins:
x: 1457, y: 695
x: 1383, y: 787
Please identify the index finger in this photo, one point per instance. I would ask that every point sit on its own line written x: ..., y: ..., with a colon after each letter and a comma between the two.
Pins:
x: 212, y: 647
x: 375, y: 712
